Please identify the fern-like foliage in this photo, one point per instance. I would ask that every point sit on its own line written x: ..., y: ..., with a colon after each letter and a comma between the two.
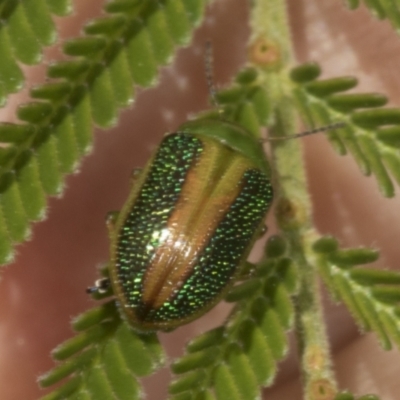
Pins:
x: 386, y: 9
x: 121, y: 50
x: 371, y: 134
x: 104, y: 360
x: 117, y: 52
x: 371, y: 295
x: 234, y: 361
x: 26, y: 26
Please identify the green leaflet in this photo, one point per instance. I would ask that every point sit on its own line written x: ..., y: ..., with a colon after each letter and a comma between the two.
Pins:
x: 371, y: 295
x: 349, y: 396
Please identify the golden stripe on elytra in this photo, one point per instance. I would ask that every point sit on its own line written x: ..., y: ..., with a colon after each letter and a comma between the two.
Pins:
x: 193, y: 223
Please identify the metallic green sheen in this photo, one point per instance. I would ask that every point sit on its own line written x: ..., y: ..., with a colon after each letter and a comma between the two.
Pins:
x: 151, y: 211
x: 137, y: 238
x: 224, y: 252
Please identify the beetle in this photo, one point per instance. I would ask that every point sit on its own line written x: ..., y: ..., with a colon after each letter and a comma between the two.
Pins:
x: 190, y: 221
x: 188, y: 225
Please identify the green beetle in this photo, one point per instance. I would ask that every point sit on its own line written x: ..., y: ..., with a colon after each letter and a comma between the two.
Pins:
x: 190, y: 221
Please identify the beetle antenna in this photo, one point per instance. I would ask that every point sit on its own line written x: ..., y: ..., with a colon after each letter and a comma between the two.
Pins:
x: 209, y: 68
x: 329, y: 127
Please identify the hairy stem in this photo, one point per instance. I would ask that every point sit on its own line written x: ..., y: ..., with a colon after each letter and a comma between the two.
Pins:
x: 270, y: 51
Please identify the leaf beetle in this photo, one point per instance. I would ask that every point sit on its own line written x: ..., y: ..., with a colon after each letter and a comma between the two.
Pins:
x: 189, y: 223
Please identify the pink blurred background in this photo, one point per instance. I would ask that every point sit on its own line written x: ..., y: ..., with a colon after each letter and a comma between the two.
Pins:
x: 45, y: 287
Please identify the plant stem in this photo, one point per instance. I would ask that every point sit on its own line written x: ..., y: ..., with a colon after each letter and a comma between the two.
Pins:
x: 271, y: 52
